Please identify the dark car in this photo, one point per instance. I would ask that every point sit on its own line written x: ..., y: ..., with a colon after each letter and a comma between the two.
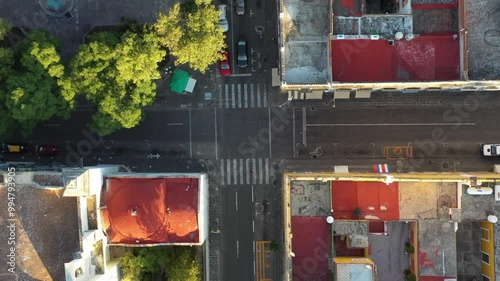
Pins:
x: 46, y: 150
x: 242, y: 54
x: 13, y: 148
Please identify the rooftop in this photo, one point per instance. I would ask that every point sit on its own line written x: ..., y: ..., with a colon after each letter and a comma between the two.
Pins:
x: 151, y: 210
x: 47, y: 232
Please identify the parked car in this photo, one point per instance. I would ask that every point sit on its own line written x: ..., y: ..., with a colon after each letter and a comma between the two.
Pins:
x: 491, y: 149
x: 13, y: 148
x: 223, y: 18
x: 224, y: 66
x: 242, y: 54
x: 46, y: 150
x: 240, y: 7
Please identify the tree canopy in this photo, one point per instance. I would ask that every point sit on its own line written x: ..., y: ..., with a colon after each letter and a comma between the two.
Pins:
x: 117, y: 72
x: 4, y: 28
x: 31, y: 76
x: 178, y: 263
x: 192, y: 34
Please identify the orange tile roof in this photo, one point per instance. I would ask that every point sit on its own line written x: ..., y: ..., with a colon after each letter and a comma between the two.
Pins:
x: 151, y: 210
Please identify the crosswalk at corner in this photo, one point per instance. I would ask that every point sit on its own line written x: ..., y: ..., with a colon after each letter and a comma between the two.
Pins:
x: 242, y: 95
x: 244, y: 171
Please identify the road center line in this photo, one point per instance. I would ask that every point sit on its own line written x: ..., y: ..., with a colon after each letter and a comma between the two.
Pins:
x: 237, y: 248
x: 253, y: 226
x: 236, y: 200
x: 390, y: 124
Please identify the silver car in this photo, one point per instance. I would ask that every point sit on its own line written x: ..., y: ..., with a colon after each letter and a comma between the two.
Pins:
x: 242, y: 54
x: 222, y: 18
x: 240, y: 7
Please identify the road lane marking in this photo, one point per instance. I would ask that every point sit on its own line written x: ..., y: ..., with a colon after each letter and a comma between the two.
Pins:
x: 253, y: 197
x: 235, y: 164
x: 175, y: 124
x: 270, y: 134
x: 242, y: 74
x: 252, y: 96
x: 228, y: 171
x: 239, y: 95
x: 233, y: 95
x: 220, y: 95
x: 253, y: 227
x: 247, y: 165
x: 254, y: 171
x: 266, y: 171
x: 241, y: 172
x: 258, y: 95
x: 226, y: 95
x: 190, y: 137
x: 237, y: 248
x: 236, y: 200
x: 265, y: 96
x: 222, y: 176
x: 216, y: 144
x: 391, y: 124
x: 245, y: 92
x: 261, y: 179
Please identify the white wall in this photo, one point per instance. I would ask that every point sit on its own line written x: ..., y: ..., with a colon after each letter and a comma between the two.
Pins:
x: 203, y: 198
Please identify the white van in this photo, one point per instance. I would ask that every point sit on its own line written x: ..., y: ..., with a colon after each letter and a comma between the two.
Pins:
x: 491, y: 149
x: 223, y: 18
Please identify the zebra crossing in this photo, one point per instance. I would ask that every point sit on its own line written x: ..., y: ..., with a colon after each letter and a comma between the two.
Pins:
x: 244, y: 171
x: 242, y: 95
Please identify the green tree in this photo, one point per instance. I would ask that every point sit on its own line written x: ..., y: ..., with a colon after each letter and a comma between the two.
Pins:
x: 191, y: 33
x: 4, y: 28
x: 182, y: 265
x: 131, y: 266
x: 117, y: 72
x: 32, y: 93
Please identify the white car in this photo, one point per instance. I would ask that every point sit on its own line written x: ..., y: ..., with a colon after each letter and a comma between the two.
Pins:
x: 491, y: 149
x: 222, y: 18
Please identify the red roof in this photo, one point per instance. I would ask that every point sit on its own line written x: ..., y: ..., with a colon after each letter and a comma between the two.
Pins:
x: 151, y: 210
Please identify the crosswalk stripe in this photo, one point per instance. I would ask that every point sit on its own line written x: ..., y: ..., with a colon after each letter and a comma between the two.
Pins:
x: 228, y: 171
x: 239, y: 96
x: 222, y: 175
x: 254, y: 169
x: 235, y: 164
x: 226, y: 95
x: 252, y: 96
x: 233, y: 96
x: 260, y: 171
x: 248, y: 169
x: 258, y: 95
x: 265, y: 95
x: 241, y: 171
x: 245, y: 92
x: 220, y: 95
x: 267, y: 171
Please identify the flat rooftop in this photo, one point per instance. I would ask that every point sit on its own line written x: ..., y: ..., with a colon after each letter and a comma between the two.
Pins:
x: 47, y: 233
x: 151, y: 210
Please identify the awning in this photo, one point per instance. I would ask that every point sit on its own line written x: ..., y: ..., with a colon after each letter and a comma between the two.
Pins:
x: 179, y: 81
x: 190, y: 85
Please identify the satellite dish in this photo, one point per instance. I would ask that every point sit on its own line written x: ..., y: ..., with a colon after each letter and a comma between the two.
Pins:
x: 399, y: 35
x: 409, y: 36
x: 329, y: 219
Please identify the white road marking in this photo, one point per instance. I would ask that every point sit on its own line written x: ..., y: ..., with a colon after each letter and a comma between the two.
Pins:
x: 226, y: 95
x: 233, y: 95
x: 266, y: 170
x: 254, y: 247
x: 253, y: 226
x: 175, y: 124
x: 391, y: 124
x: 190, y: 137
x: 253, y: 197
x: 242, y: 74
x: 265, y: 96
x: 239, y: 96
x: 237, y: 248
x: 235, y: 163
x: 216, y: 144
x: 228, y: 171
x: 220, y: 95
x: 261, y: 180
x: 247, y: 165
x: 241, y: 171
x: 270, y: 134
x: 252, y: 96
x: 258, y: 95
x: 222, y: 176
x: 254, y: 170
x: 245, y: 92
x: 236, y: 200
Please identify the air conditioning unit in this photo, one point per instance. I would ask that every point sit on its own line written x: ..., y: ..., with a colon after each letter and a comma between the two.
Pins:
x: 374, y: 37
x: 340, y: 36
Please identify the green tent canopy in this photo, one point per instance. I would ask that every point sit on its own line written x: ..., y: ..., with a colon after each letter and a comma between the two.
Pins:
x: 179, y: 81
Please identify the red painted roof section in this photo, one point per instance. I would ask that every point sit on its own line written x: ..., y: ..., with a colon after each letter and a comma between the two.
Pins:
x: 167, y: 210
x: 425, y: 58
x: 312, y: 246
x: 375, y: 199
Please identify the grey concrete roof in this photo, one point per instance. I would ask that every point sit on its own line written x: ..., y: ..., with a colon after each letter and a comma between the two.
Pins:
x: 437, y: 248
